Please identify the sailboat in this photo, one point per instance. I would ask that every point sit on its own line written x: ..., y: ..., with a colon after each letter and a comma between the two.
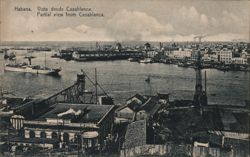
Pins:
x: 147, y: 79
x: 28, y: 68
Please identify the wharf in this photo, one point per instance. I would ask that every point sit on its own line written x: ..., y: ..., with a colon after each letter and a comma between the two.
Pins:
x: 88, y: 55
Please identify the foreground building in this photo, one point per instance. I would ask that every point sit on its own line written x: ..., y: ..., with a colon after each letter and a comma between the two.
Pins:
x: 141, y: 107
x: 65, y: 125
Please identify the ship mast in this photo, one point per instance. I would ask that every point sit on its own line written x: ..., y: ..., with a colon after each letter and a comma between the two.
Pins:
x: 45, y: 59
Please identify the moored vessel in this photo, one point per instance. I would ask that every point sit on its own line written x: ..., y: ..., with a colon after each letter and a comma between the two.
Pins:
x: 35, y: 69
x: 146, y: 60
x: 131, y: 59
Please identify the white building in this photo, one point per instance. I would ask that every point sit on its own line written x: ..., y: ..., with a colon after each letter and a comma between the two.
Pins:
x: 245, y: 55
x: 210, y: 57
x: 239, y: 60
x: 181, y: 53
x: 151, y: 53
x: 225, y: 56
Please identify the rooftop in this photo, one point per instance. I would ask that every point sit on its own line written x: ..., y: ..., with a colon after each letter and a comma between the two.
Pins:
x: 82, y: 113
x: 135, y: 134
x: 139, y: 97
x: 150, y: 105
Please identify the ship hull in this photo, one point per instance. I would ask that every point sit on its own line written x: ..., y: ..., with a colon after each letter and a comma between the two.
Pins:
x: 34, y: 71
x: 146, y: 60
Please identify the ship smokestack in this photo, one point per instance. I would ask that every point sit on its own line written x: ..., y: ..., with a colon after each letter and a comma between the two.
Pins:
x: 29, y: 60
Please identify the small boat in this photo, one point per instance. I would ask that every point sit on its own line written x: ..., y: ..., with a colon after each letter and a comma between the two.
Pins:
x: 29, y: 56
x: 146, y: 60
x: 55, y: 55
x: 148, y: 79
x: 133, y: 59
x: 6, y: 56
x: 10, y: 56
x: 213, y: 94
x: 67, y: 58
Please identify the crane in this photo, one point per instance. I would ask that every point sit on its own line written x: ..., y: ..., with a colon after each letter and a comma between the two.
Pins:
x: 200, y: 97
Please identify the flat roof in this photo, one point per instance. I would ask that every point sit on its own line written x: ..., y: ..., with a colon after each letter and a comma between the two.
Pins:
x: 89, y: 113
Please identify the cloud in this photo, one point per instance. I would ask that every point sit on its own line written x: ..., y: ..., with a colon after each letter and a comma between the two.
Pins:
x: 233, y: 23
x: 188, y: 20
x: 135, y: 25
x: 224, y: 27
x: 181, y: 24
x: 204, y: 20
x: 226, y: 37
x: 15, y: 28
x: 78, y: 33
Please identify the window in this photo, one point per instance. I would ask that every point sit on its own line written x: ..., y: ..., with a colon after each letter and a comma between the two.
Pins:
x: 78, y: 138
x: 66, y: 137
x: 54, y: 135
x: 32, y: 134
x: 43, y: 134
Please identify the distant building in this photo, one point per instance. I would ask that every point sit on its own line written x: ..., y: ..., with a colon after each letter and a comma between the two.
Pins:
x: 210, y: 57
x: 151, y: 53
x: 181, y: 53
x: 239, y: 60
x: 225, y: 56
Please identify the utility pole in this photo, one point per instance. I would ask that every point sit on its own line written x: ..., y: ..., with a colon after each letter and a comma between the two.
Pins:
x: 205, y: 82
x: 45, y: 59
x: 96, y: 97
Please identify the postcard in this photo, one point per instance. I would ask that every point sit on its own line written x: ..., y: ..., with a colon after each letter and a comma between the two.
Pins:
x: 124, y: 78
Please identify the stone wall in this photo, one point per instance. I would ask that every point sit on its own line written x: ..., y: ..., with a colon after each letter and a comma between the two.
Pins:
x: 144, y: 150
x: 174, y: 150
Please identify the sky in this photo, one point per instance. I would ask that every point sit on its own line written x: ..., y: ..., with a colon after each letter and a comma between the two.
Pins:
x: 130, y: 20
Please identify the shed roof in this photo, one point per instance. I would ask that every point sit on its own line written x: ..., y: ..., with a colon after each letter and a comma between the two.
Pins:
x: 90, y: 113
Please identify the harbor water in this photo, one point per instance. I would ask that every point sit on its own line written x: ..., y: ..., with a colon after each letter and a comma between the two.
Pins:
x: 122, y: 79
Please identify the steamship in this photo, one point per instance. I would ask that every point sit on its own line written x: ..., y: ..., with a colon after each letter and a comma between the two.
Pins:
x: 35, y: 69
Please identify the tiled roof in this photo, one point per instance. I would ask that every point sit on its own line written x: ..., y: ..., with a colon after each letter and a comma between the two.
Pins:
x: 132, y: 105
x: 136, y: 134
x: 151, y: 105
x: 140, y: 97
